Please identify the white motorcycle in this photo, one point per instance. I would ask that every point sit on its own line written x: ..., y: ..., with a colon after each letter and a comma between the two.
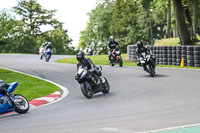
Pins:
x: 41, y: 52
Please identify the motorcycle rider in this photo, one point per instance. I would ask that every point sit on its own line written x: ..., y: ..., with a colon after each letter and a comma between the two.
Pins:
x: 82, y: 61
x: 42, y: 47
x: 3, y: 90
x: 141, y: 49
x: 3, y: 87
x: 49, y: 46
x: 112, y: 44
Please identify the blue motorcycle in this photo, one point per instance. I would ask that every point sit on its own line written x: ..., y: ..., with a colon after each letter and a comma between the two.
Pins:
x: 13, y: 102
x: 48, y: 53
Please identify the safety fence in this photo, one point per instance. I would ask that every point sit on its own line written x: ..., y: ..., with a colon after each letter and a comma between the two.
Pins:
x: 170, y: 55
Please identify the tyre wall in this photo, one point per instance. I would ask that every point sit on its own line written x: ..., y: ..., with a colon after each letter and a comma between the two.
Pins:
x: 170, y: 55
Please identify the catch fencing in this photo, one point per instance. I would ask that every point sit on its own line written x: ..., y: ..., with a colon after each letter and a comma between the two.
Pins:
x: 170, y: 55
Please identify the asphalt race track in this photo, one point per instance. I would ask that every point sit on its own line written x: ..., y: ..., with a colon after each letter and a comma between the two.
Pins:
x: 136, y: 102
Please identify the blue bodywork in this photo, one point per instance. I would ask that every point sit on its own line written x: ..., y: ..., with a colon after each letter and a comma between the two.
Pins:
x: 4, y: 104
x: 48, y: 52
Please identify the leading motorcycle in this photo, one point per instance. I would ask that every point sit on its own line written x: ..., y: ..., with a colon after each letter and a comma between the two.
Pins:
x: 89, y: 84
x: 116, y: 58
x: 13, y: 102
x: 147, y: 63
x: 48, y: 54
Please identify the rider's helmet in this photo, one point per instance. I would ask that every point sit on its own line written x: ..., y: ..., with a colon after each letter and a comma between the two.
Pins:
x: 139, y: 44
x: 80, y: 57
x: 44, y: 44
x: 111, y: 38
x: 49, y: 43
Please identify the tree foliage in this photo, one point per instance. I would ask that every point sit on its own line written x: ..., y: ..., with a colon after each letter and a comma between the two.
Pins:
x: 130, y: 21
x: 25, y: 35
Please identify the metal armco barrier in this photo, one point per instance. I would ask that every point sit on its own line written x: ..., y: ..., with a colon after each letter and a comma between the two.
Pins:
x: 170, y: 55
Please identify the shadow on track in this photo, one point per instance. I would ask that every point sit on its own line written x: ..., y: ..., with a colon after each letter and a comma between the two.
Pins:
x: 99, y: 96
x: 156, y: 76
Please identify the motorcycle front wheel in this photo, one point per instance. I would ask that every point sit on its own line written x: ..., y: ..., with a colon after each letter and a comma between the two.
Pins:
x: 87, y: 90
x: 120, y: 61
x: 47, y: 58
x: 21, y: 104
x: 150, y: 70
x: 106, y: 86
x: 41, y: 56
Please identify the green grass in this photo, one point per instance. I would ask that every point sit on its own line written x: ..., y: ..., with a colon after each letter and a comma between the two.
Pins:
x: 28, y: 86
x: 103, y: 60
x: 167, y: 42
x: 98, y: 60
x: 170, y: 42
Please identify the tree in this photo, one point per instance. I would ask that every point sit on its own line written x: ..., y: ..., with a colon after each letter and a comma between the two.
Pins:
x: 194, y: 7
x: 10, y: 32
x: 25, y: 36
x: 182, y: 27
x: 96, y: 34
x: 34, y: 15
x: 168, y: 32
x: 60, y: 40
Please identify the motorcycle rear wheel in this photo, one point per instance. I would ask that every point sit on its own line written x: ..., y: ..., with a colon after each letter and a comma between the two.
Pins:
x: 22, y: 106
x: 87, y: 90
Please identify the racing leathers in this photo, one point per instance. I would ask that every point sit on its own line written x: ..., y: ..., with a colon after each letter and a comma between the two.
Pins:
x: 87, y: 62
x: 145, y: 50
x: 111, y: 46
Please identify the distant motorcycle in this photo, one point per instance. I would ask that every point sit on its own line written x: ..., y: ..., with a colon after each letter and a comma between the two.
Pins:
x: 13, y: 102
x: 41, y: 52
x: 116, y: 58
x: 88, y: 83
x: 48, y: 53
x: 146, y: 62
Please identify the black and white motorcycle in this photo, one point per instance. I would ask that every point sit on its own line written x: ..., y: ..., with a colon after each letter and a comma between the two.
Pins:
x: 89, y: 85
x: 148, y: 63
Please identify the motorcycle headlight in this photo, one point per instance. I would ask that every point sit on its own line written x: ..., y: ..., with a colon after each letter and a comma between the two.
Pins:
x: 117, y: 52
x: 83, y: 74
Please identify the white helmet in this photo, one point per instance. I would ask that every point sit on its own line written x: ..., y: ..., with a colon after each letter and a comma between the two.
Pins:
x: 111, y: 38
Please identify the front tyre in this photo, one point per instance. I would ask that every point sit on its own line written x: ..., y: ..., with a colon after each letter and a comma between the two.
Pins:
x: 21, y: 104
x: 41, y: 56
x: 47, y: 58
x: 106, y: 86
x: 87, y: 90
x: 151, y: 70
x: 120, y: 61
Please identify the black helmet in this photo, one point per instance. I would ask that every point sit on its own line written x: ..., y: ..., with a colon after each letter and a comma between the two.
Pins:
x: 80, y: 56
x: 139, y: 44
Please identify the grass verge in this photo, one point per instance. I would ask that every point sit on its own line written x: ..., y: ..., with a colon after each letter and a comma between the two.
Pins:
x: 98, y: 60
x: 171, y: 42
x: 103, y: 60
x: 29, y: 87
